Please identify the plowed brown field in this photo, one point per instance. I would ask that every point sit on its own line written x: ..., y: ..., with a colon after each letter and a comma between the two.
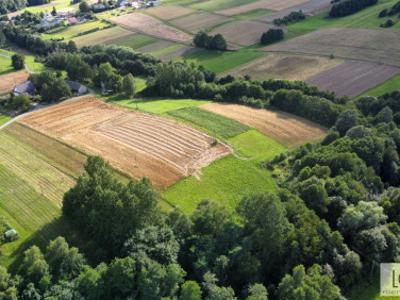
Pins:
x: 262, y: 4
x: 135, y: 143
x: 151, y: 26
x: 285, y: 128
x: 169, y: 12
x: 9, y: 81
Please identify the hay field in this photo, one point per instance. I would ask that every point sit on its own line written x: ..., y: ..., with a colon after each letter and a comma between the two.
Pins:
x: 135, y: 143
x: 286, y: 66
x: 262, y: 4
x: 169, y: 12
x: 243, y: 33
x: 151, y: 26
x: 199, y: 21
x: 287, y: 129
x: 379, y: 46
x: 106, y: 36
x: 353, y: 77
x: 10, y: 80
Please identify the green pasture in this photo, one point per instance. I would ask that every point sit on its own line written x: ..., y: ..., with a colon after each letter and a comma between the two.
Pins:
x: 215, y: 5
x: 69, y: 32
x: 58, y: 4
x: 213, y: 124
x: 366, y: 18
x: 30, y: 62
x: 4, y: 119
x: 5, y: 65
x: 388, y: 86
x: 135, y: 41
x: 221, y: 61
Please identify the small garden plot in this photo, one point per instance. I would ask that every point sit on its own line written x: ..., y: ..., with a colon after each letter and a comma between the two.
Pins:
x: 199, y: 21
x: 10, y: 80
x: 287, y: 129
x: 169, y: 12
x: 151, y: 26
x: 353, y: 77
x: 379, y: 46
x: 106, y: 36
x: 138, y: 144
x: 286, y: 66
x: 243, y: 33
x: 262, y: 4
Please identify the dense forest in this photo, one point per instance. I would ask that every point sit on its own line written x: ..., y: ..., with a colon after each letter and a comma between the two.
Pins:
x: 348, y: 7
x: 334, y: 218
x: 11, y: 5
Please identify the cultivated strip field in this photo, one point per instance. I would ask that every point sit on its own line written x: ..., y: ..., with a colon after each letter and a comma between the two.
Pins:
x: 151, y: 26
x: 262, y: 4
x: 136, y: 143
x: 169, y: 12
x: 243, y: 33
x: 353, y: 77
x: 160, y: 44
x: 105, y: 36
x: 9, y: 81
x: 177, y: 53
x: 379, y: 46
x: 199, y: 21
x: 288, y: 67
x: 285, y: 128
x: 309, y: 8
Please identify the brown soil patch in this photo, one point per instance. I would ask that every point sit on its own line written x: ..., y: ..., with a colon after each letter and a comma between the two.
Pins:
x: 353, y: 77
x: 151, y: 26
x: 262, y: 4
x: 9, y: 81
x: 285, y: 128
x: 136, y: 143
x: 373, y: 45
x: 243, y: 33
x: 286, y: 66
x: 200, y: 21
x: 169, y: 12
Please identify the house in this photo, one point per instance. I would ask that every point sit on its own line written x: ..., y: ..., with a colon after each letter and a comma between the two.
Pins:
x: 77, y: 88
x: 26, y: 88
x: 50, y: 21
x: 72, y: 21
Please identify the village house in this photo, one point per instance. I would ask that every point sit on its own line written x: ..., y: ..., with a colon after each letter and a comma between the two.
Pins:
x: 27, y: 88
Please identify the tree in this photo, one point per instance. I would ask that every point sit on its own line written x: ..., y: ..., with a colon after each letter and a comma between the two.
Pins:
x: 271, y: 36
x: 2, y: 39
x: 313, y: 285
x: 18, y: 61
x: 190, y: 290
x: 19, y: 103
x: 257, y: 292
x: 218, y: 42
x: 54, y: 11
x: 119, y: 279
x: 84, y: 7
x: 201, y: 40
x: 34, y: 267
x: 128, y: 86
x: 345, y: 121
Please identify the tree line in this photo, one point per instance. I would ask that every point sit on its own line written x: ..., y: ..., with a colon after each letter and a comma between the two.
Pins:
x: 348, y: 7
x: 212, y: 42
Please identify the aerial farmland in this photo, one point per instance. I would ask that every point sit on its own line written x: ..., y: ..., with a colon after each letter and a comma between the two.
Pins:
x: 212, y: 149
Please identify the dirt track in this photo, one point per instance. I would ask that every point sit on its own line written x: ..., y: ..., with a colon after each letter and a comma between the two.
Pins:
x: 136, y: 143
x: 285, y: 128
x: 9, y: 81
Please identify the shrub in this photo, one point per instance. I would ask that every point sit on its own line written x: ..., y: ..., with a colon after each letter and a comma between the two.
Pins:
x: 271, y: 36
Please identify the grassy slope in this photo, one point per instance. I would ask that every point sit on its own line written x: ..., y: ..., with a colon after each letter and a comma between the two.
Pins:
x: 5, y: 65
x: 220, y: 62
x: 229, y: 179
x: 70, y: 32
x: 4, y: 119
x: 388, y: 86
x: 30, y: 62
x: 214, y: 124
x: 367, y: 18
x: 58, y: 4
x: 136, y: 41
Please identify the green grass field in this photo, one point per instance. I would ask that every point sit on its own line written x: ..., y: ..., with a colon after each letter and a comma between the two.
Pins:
x: 4, y: 119
x: 214, y: 5
x: 213, y: 124
x: 229, y: 179
x: 5, y: 65
x: 69, y: 32
x: 136, y: 41
x: 366, y: 18
x: 30, y: 62
x: 167, y: 50
x: 157, y: 106
x: 388, y: 86
x: 220, y: 62
x: 58, y: 4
